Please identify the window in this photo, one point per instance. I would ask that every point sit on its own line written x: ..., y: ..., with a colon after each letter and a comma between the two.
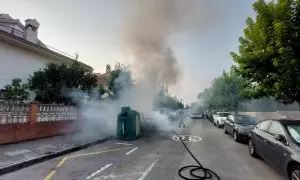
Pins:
x: 294, y: 131
x: 246, y: 120
x: 264, y: 126
x: 275, y: 128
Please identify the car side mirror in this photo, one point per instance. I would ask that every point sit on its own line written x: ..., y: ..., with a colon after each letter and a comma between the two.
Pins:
x: 280, y: 137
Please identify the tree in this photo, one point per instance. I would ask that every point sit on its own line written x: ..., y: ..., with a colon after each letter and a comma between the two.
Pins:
x: 16, y: 92
x: 56, y: 82
x: 269, y: 56
x: 166, y: 100
x: 119, y: 79
x: 227, y: 92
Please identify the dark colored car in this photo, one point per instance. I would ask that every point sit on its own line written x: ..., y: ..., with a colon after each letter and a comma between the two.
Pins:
x: 278, y: 143
x: 239, y: 126
x: 210, y: 117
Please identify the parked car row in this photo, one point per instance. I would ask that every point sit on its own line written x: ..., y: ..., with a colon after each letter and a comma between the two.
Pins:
x: 275, y: 141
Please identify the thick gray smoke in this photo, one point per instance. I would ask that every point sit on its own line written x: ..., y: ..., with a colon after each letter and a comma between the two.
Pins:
x: 147, y: 30
x: 146, y: 35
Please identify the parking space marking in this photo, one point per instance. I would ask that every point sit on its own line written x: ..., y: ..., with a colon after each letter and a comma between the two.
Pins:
x: 120, y: 176
x: 62, y: 161
x: 49, y: 176
x: 126, y: 144
x: 98, y: 171
x: 131, y: 151
x: 145, y: 173
x: 99, y: 152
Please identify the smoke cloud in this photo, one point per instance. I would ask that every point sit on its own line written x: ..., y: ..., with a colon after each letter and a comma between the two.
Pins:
x: 148, y: 27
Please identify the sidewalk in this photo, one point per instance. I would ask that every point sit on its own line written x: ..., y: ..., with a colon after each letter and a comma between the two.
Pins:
x: 23, y: 154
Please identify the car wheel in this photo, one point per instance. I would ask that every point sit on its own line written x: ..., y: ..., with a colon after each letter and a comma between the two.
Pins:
x: 295, y: 173
x: 235, y: 136
x: 225, y: 132
x: 251, y: 149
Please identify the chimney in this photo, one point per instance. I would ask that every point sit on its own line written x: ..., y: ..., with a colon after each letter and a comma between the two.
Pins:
x: 31, y: 30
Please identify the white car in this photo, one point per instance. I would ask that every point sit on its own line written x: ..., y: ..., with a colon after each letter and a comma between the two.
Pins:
x: 219, y: 118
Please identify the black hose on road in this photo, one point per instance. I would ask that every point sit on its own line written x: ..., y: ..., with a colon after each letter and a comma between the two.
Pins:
x: 207, y: 173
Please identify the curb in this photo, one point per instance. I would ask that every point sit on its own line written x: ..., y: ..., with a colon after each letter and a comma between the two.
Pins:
x: 24, y: 164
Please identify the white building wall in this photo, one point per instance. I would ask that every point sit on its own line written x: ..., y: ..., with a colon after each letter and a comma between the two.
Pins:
x: 16, y: 62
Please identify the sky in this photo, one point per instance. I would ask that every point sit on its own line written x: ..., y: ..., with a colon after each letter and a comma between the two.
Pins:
x: 93, y: 29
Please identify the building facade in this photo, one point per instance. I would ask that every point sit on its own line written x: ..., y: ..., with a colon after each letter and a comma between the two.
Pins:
x: 22, y: 53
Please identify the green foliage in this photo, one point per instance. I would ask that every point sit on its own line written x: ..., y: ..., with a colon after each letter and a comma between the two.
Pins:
x: 16, y: 92
x: 102, y: 90
x: 165, y: 100
x: 55, y: 82
x: 119, y: 79
x: 227, y: 92
x: 269, y: 56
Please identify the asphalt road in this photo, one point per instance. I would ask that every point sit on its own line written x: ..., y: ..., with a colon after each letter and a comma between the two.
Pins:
x: 153, y: 157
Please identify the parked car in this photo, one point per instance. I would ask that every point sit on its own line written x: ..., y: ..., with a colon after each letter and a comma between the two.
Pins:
x: 196, y: 116
x: 219, y: 118
x: 239, y: 126
x: 210, y: 117
x: 278, y: 143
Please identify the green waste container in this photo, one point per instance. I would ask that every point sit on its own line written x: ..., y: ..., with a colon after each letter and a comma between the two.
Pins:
x: 129, y: 124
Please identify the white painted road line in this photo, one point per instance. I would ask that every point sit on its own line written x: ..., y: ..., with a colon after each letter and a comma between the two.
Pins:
x: 99, y: 171
x: 128, y: 175
x: 124, y: 144
x: 145, y: 173
x: 131, y: 151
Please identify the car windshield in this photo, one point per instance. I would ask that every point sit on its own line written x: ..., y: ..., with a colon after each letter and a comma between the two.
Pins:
x: 246, y: 120
x: 294, y: 131
x: 224, y: 114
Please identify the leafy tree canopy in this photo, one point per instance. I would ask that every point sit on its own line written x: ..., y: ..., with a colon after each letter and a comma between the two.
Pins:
x: 119, y: 79
x: 269, y: 56
x: 226, y: 92
x: 166, y: 100
x: 16, y: 92
x: 55, y: 83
